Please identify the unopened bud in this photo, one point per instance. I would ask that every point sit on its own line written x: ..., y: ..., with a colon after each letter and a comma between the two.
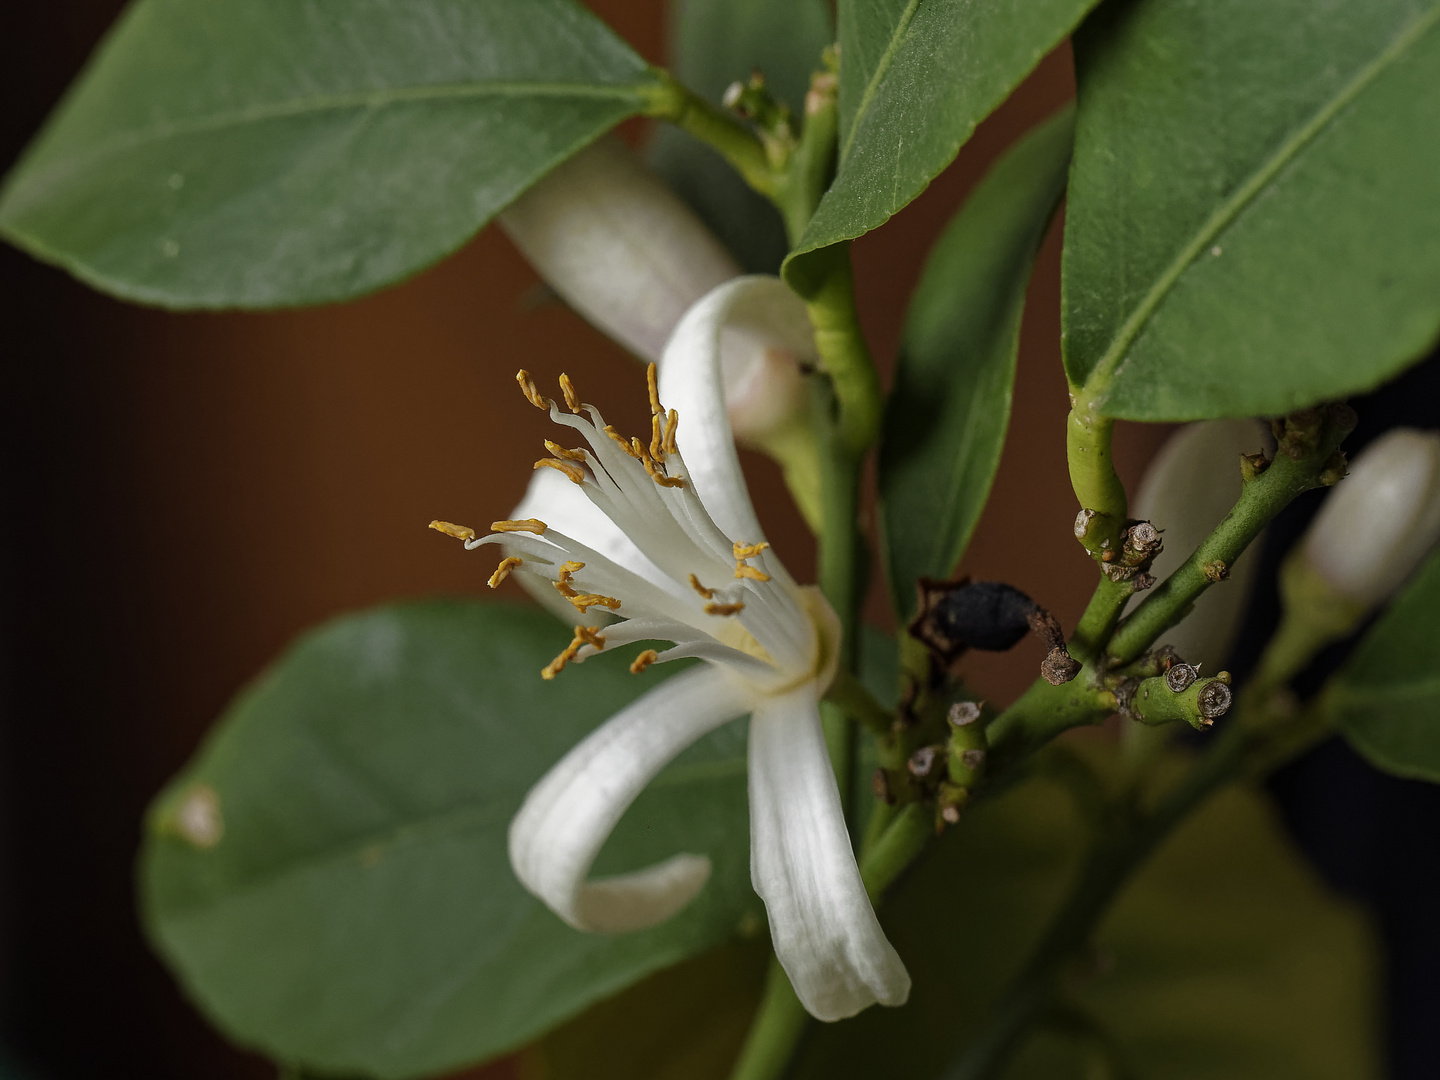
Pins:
x: 619, y: 246
x: 1380, y: 521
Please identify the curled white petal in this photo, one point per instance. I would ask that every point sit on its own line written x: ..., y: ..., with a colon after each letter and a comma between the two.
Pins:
x: 739, y: 326
x: 567, y: 816
x: 1187, y: 491
x: 824, y: 930
x: 618, y: 245
x: 1381, y: 520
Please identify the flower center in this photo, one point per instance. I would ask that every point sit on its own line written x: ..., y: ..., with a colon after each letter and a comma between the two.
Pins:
x: 671, y: 574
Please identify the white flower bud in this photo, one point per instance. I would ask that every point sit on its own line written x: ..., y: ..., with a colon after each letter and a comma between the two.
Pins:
x: 1381, y: 520
x: 620, y: 247
x: 1187, y: 491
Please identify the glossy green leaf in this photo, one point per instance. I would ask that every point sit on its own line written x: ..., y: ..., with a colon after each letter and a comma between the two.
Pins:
x: 1223, y: 960
x: 915, y: 79
x: 715, y: 43
x: 1253, y: 220
x: 1387, y: 698
x: 329, y: 877
x: 946, y: 417
x: 271, y: 153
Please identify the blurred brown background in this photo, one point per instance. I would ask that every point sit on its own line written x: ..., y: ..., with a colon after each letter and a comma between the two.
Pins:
x: 186, y: 493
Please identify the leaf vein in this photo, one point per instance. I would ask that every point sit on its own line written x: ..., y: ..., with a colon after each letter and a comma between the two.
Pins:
x: 1115, y: 357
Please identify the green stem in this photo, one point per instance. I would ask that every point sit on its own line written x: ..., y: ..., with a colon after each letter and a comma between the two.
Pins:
x: 897, y: 847
x: 1043, y: 712
x: 1101, y: 616
x: 671, y: 101
x: 1199, y: 705
x: 848, y: 692
x: 844, y: 354
x: 779, y: 1023
x: 807, y: 173
x: 1093, y: 476
x: 1260, y: 500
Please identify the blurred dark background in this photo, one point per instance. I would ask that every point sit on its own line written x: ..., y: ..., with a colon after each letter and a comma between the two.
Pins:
x: 184, y: 493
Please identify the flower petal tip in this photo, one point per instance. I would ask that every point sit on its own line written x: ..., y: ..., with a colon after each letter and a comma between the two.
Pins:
x: 843, y: 991
x: 646, y: 898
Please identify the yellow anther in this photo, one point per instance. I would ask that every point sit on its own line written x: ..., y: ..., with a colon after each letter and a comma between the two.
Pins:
x: 748, y: 551
x: 643, y: 661
x: 670, y: 427
x: 624, y: 442
x: 724, y: 609
x: 550, y: 670
x: 643, y: 456
x: 531, y: 391
x: 560, y: 451
x: 743, y: 571
x: 574, y: 472
x: 562, y: 584
x: 657, y: 437
x: 459, y: 532
x: 530, y: 525
x: 708, y: 594
x: 503, y: 570
x: 585, y: 601
x: 584, y: 635
x: 572, y: 399
x: 651, y: 381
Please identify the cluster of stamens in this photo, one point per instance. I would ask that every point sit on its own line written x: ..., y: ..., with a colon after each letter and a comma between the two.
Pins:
x: 662, y: 433
x: 577, y: 465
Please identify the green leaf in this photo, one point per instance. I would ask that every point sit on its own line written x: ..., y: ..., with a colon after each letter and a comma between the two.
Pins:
x: 1387, y: 697
x: 1223, y: 960
x: 915, y: 79
x: 714, y: 43
x: 685, y: 1023
x: 329, y: 877
x: 1253, y: 221
x: 946, y: 417
x: 271, y: 153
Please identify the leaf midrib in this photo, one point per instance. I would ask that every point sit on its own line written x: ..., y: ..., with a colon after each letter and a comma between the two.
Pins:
x: 1115, y: 357
x: 873, y: 84
x: 373, y: 99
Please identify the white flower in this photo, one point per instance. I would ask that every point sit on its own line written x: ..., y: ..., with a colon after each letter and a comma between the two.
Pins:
x: 1381, y: 520
x: 660, y: 536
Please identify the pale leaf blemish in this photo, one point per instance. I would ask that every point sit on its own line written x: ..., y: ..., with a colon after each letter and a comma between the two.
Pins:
x: 169, y: 248
x: 198, y: 819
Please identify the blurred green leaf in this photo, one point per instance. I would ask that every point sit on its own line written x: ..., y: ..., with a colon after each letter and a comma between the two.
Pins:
x: 946, y: 417
x: 915, y: 79
x: 1223, y: 960
x: 271, y: 153
x: 685, y: 1023
x: 329, y: 877
x: 714, y: 43
x: 1386, y: 700
x: 1253, y: 221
